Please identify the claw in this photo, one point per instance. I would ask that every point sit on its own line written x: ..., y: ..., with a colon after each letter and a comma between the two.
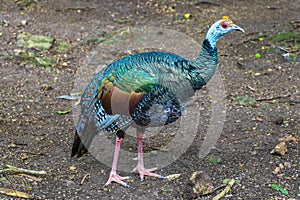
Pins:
x: 114, y: 177
x: 146, y: 172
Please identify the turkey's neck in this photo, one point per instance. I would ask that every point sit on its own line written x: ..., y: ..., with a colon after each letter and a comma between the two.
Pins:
x: 206, y: 62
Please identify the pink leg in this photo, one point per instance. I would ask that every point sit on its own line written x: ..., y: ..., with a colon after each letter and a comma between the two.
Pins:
x: 114, y: 177
x: 140, y: 166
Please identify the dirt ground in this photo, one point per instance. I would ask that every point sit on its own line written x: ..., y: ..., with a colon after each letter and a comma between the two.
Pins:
x: 34, y: 136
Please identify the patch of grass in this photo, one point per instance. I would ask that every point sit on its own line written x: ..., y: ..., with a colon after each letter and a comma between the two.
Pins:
x: 122, y: 21
x: 265, y: 106
x: 95, y: 40
x: 34, y: 41
x: 286, y: 37
x: 245, y: 100
x: 296, y: 47
x: 279, y: 188
x: 213, y: 159
x: 62, y: 47
x: 24, y: 3
x: 99, y: 38
x: 35, y: 59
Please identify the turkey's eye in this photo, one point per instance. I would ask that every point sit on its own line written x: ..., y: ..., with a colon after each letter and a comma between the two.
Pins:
x: 224, y: 25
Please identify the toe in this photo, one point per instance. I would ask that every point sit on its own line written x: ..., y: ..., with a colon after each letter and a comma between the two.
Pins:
x: 118, y: 179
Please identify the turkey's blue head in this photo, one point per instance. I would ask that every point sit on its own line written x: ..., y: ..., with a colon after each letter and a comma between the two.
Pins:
x: 220, y: 28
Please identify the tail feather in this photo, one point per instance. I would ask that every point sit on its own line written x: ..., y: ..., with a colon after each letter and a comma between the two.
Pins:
x: 78, y: 148
x: 83, y: 138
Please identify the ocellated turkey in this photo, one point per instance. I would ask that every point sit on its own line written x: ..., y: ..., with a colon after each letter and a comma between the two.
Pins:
x: 142, y: 90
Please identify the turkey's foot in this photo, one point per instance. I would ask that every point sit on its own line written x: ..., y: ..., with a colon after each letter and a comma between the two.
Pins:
x: 146, y: 172
x: 114, y: 177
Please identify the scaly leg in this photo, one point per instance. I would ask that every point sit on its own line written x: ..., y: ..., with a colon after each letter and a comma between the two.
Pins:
x: 140, y: 166
x: 114, y: 177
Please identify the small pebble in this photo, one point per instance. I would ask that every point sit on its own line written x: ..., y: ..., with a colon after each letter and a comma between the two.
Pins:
x: 287, y: 164
x: 276, y: 170
x: 23, y: 22
x: 281, y: 166
x: 280, y: 149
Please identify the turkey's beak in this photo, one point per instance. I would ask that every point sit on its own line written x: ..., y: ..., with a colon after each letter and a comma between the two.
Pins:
x: 237, y: 28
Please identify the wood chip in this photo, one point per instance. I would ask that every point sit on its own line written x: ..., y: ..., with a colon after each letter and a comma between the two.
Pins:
x: 172, y: 176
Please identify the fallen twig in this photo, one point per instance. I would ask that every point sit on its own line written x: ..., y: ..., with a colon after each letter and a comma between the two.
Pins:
x: 283, y: 49
x: 82, y: 8
x: 219, y: 187
x: 14, y: 169
x: 15, y: 193
x: 207, y: 3
x: 29, y: 152
x: 226, y: 189
x: 251, y: 88
x: 273, y: 98
x: 30, y: 178
x: 83, y: 179
x: 294, y: 101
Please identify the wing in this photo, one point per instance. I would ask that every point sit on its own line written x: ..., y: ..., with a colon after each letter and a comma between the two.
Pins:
x: 152, y: 87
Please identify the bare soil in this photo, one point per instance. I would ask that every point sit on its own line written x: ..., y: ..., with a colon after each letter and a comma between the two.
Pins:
x: 34, y: 136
